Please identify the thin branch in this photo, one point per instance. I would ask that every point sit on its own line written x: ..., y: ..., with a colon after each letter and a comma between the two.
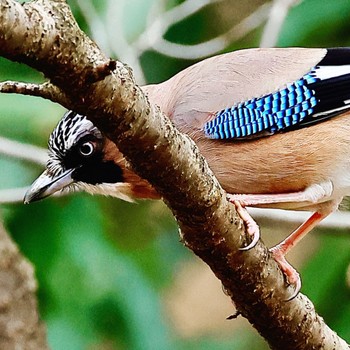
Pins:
x: 117, y: 39
x: 273, y: 27
x: 16, y: 195
x: 23, y: 151
x: 12, y: 195
x: 157, y: 9
x: 153, y: 37
x: 160, y: 26
x: 338, y: 220
x: 44, y: 90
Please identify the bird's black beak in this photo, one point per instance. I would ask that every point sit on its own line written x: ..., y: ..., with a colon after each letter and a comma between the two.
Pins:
x: 46, y: 185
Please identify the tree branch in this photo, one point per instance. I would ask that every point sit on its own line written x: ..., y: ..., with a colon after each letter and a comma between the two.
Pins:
x: 170, y: 161
x: 20, y: 327
x: 155, y: 32
x: 23, y: 151
x: 336, y: 221
x: 278, y: 14
x: 45, y: 90
x: 152, y: 38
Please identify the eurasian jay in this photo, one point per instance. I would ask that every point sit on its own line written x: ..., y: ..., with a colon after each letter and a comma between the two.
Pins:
x: 273, y: 124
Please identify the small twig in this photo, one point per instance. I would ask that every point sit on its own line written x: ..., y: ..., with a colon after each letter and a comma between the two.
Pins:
x: 118, y: 42
x: 16, y: 195
x: 154, y: 40
x: 23, y: 151
x: 45, y: 90
x: 39, y: 156
x: 155, y: 32
x: 233, y: 316
x: 273, y: 27
x: 338, y: 220
x: 152, y: 37
x: 12, y: 195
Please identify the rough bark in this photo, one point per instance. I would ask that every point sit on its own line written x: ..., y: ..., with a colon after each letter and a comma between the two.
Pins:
x: 20, y: 327
x: 44, y: 35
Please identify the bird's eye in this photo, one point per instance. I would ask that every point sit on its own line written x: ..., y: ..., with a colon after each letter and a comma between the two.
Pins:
x: 87, y: 149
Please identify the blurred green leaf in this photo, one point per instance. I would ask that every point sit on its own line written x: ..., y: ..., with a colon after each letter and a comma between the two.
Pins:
x: 86, y: 274
x: 324, y: 281
x: 316, y: 23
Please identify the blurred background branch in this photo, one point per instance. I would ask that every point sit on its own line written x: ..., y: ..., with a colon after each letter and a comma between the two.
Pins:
x: 278, y: 14
x: 206, y: 48
x: 104, y: 267
x: 23, y: 151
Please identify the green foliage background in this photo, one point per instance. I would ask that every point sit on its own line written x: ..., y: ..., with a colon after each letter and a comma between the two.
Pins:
x: 103, y: 265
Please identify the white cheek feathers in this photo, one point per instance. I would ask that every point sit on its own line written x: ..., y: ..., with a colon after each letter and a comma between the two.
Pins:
x: 119, y: 190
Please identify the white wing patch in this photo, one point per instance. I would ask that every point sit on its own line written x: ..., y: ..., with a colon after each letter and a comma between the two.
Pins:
x: 328, y: 72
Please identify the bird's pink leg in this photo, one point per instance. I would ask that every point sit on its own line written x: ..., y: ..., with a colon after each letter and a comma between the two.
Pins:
x: 280, y: 250
x: 287, y: 244
x: 313, y: 194
x: 309, y: 196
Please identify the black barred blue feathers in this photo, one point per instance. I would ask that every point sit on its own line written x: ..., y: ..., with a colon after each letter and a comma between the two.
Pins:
x: 320, y: 94
x: 271, y: 113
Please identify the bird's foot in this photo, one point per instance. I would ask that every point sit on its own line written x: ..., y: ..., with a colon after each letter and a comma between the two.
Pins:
x: 279, y: 251
x: 291, y: 274
x: 251, y: 226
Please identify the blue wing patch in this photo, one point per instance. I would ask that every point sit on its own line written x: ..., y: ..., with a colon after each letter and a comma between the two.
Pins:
x: 267, y: 114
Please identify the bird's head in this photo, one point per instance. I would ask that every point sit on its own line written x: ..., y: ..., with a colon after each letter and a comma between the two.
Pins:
x: 82, y: 158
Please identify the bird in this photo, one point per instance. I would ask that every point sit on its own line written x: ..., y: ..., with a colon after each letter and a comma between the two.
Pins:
x: 273, y: 124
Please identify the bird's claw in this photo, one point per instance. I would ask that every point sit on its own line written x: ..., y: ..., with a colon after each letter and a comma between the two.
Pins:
x: 252, y: 244
x: 251, y: 225
x: 296, y: 290
x: 290, y: 273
